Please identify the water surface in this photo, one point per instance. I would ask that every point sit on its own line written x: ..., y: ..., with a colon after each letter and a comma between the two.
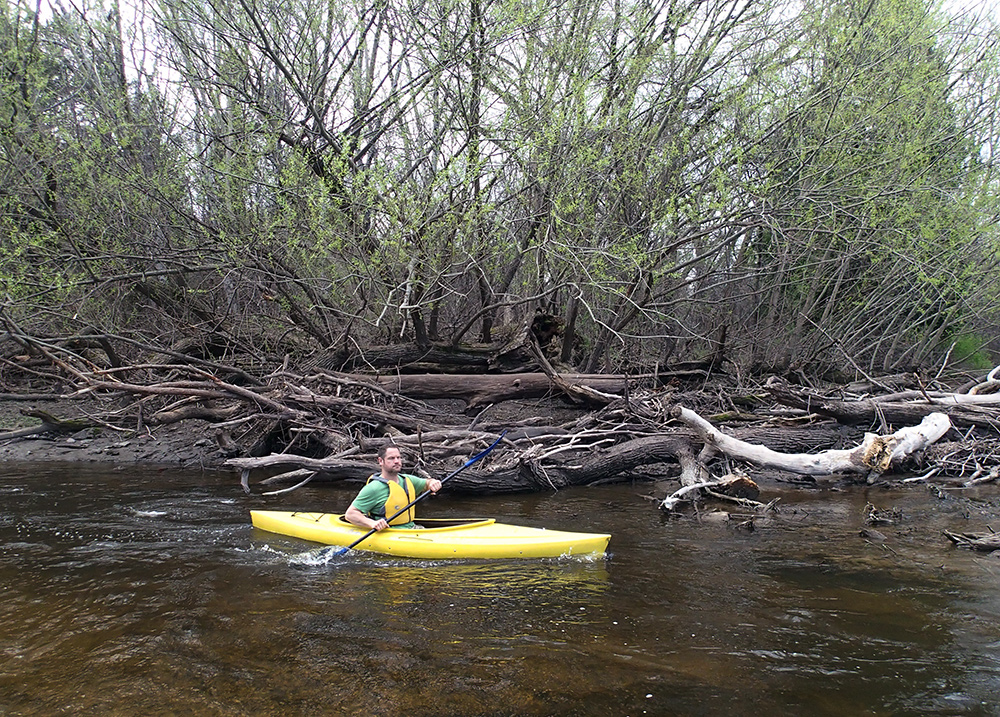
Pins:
x: 133, y: 591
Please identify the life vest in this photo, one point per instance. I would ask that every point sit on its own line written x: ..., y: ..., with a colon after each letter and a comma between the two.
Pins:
x: 399, y: 496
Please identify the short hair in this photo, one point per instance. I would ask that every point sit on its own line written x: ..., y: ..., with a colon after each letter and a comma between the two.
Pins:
x: 385, y: 449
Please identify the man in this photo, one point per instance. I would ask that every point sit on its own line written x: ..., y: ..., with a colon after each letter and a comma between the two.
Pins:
x: 387, y: 492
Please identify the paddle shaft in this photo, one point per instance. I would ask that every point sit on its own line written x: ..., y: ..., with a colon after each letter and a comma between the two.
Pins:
x: 423, y: 495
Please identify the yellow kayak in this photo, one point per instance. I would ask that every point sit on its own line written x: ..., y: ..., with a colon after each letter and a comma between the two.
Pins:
x: 437, y: 538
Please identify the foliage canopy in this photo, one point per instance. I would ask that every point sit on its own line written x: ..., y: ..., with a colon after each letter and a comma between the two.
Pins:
x: 816, y: 180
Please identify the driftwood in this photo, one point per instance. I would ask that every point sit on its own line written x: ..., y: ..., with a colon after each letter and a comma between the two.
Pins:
x: 983, y: 542
x: 191, y: 409
x: 621, y: 428
x: 900, y: 408
x: 874, y: 456
x: 49, y: 424
x: 527, y: 460
x: 737, y: 488
x: 557, y: 459
x: 479, y: 390
x: 608, y: 445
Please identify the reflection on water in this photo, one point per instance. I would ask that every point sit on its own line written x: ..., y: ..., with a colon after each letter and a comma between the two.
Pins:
x: 149, y: 593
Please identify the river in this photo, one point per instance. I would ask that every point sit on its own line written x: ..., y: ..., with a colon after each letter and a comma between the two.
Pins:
x: 144, y: 592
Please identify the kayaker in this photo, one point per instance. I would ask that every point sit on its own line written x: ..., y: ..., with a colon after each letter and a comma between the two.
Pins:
x: 387, y: 492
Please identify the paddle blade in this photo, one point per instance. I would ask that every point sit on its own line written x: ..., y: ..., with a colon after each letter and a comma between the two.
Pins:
x: 482, y: 455
x: 328, y: 554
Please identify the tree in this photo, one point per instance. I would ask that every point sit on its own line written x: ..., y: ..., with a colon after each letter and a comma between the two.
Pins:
x: 305, y: 177
x: 869, y: 241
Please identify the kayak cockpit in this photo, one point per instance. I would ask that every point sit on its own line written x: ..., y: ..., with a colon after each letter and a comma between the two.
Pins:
x: 436, y: 523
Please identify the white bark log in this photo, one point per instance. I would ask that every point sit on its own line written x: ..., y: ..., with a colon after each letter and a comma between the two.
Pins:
x: 939, y: 398
x: 875, y: 454
x: 684, y: 494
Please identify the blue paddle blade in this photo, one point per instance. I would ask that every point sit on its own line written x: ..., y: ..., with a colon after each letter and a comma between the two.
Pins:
x: 330, y: 553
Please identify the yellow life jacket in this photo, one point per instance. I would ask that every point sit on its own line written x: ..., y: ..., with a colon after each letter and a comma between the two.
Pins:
x: 399, y: 496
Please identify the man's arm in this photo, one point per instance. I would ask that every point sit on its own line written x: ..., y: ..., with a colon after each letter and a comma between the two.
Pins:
x: 356, y: 517
x: 366, y: 500
x: 422, y: 485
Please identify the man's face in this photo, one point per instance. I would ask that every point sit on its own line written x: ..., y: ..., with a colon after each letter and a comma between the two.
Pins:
x: 393, y: 462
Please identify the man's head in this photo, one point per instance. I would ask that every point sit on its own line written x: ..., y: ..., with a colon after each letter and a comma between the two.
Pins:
x: 390, y: 460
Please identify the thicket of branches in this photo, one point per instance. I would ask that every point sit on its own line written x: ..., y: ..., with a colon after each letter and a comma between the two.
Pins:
x: 261, y: 178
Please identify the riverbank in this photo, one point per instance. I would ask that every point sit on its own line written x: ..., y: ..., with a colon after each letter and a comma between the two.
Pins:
x: 189, y: 443
x: 185, y: 444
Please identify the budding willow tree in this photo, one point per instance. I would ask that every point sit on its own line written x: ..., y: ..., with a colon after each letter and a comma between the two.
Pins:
x: 867, y: 245
x: 87, y: 173
x: 812, y: 180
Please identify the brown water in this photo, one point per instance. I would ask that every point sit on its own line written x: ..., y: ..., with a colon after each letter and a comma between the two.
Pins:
x: 137, y: 592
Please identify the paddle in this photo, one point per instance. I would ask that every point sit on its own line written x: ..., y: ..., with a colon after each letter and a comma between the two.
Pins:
x: 326, y: 551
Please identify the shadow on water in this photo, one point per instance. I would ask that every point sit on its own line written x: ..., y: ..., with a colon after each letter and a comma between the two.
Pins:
x: 132, y: 592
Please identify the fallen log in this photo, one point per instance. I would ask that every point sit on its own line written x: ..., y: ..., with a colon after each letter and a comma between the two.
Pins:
x: 482, y: 389
x: 982, y: 410
x: 438, y: 357
x: 578, y: 393
x: 530, y: 459
x: 686, y: 493
x: 337, y: 466
x: 49, y: 424
x: 186, y: 411
x: 874, y: 456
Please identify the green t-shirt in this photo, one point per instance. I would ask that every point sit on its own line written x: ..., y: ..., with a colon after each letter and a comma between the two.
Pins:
x: 371, y: 499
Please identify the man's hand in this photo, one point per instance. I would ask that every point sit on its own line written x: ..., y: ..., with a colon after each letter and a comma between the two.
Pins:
x: 433, y: 485
x: 379, y: 524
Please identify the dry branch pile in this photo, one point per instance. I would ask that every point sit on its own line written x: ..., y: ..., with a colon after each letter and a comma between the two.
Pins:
x: 606, y: 429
